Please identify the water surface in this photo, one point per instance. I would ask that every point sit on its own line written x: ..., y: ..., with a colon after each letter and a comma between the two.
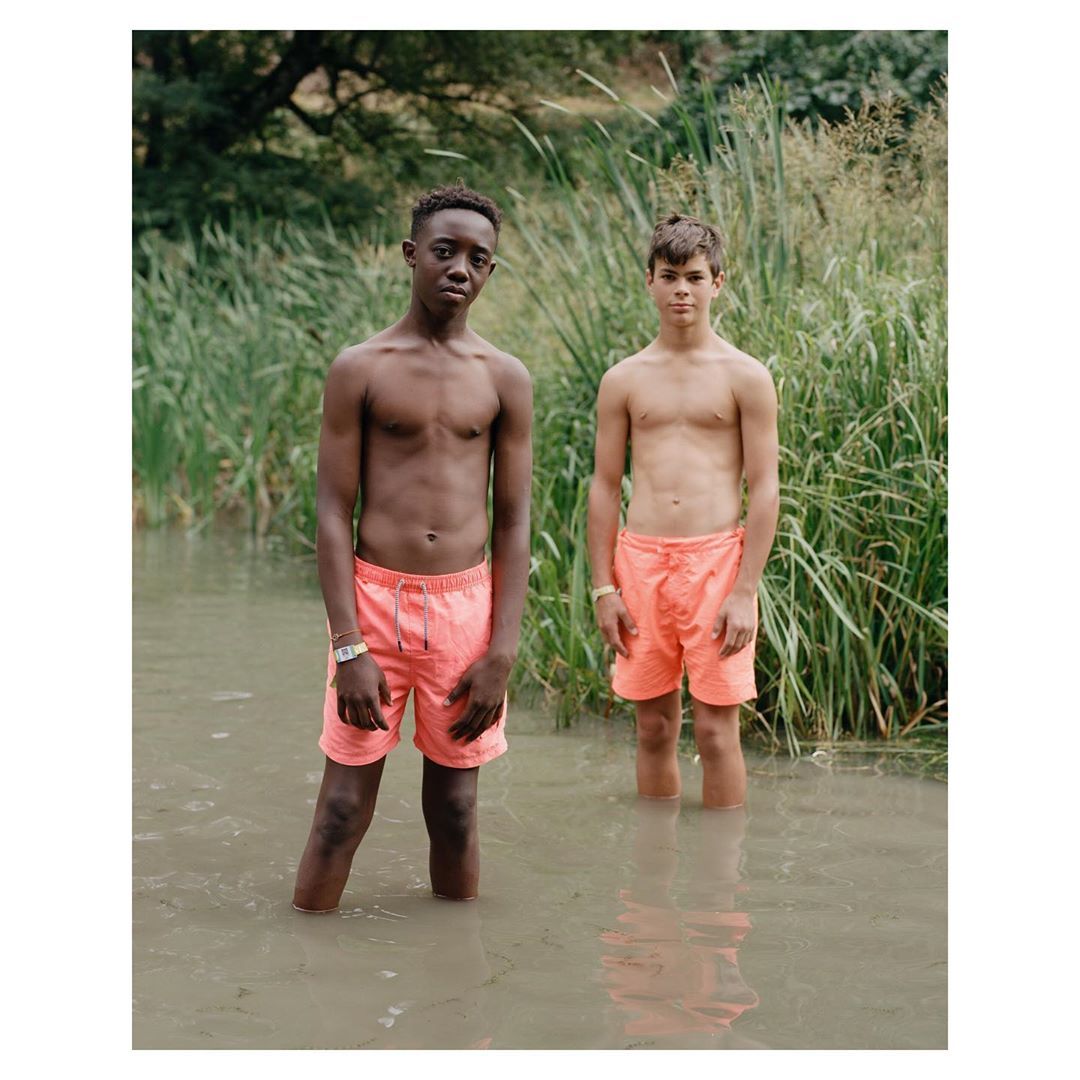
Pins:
x: 816, y: 919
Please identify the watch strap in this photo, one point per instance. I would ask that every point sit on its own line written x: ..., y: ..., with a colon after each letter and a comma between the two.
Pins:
x: 350, y: 652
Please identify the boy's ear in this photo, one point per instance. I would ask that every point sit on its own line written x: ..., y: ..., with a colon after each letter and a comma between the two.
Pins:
x: 718, y: 283
x: 648, y: 277
x: 408, y: 249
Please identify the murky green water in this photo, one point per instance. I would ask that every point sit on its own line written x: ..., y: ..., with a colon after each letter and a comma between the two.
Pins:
x: 815, y: 920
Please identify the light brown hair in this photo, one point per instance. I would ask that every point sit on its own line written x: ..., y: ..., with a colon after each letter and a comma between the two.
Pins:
x: 678, y: 238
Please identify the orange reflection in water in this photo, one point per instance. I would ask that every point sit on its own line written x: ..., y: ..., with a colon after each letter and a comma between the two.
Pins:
x: 676, y: 971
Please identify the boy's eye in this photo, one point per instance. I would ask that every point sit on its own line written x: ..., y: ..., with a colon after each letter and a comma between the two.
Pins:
x: 479, y: 260
x: 442, y: 251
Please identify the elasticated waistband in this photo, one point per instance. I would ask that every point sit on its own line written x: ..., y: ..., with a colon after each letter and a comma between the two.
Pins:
x: 641, y: 542
x: 432, y: 583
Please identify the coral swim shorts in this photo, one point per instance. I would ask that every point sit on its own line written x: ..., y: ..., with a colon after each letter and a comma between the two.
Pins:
x: 673, y: 587
x: 423, y: 631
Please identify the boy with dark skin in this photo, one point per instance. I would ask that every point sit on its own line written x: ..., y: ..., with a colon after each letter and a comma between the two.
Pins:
x: 415, y: 418
x: 678, y: 586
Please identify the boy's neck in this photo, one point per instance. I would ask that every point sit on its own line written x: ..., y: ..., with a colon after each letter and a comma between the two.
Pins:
x: 678, y: 339
x: 420, y: 321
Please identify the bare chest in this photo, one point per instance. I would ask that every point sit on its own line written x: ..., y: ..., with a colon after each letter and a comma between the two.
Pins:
x: 700, y: 404
x: 424, y: 408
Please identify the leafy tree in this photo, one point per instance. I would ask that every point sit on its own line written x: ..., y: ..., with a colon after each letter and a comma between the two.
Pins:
x: 270, y: 118
x: 827, y: 72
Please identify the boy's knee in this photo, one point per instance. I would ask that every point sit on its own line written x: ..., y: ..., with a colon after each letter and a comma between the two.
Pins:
x: 342, y: 820
x: 456, y: 818
x: 716, y: 739
x: 657, y: 729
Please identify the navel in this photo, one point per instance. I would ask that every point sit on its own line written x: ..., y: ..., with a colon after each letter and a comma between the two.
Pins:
x: 432, y: 537
x: 644, y: 413
x: 675, y: 500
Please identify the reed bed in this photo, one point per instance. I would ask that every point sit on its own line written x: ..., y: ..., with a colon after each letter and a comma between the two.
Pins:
x: 233, y: 332
x: 836, y: 270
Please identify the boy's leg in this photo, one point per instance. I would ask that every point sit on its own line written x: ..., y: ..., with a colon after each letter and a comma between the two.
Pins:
x: 449, y: 800
x: 716, y: 732
x: 658, y: 723
x: 343, y: 813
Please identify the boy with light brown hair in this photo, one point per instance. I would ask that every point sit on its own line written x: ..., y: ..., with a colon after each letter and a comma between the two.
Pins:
x: 678, y: 586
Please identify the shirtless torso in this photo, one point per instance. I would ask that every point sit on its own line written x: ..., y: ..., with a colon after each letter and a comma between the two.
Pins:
x: 428, y: 417
x: 683, y: 426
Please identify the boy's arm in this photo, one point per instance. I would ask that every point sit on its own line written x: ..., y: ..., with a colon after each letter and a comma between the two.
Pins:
x: 605, y: 498
x: 485, y: 680
x: 360, y: 682
x: 757, y: 412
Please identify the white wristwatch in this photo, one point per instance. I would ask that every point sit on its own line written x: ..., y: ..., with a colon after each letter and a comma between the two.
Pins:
x: 350, y: 652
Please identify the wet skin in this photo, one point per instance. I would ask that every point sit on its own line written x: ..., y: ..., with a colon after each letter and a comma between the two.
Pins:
x: 415, y: 419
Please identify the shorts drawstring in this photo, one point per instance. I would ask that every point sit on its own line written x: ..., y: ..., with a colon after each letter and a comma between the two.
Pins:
x: 397, y: 614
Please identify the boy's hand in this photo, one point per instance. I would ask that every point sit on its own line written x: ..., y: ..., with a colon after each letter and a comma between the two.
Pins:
x: 610, y: 612
x: 485, y: 683
x: 735, y: 622
x: 361, y: 685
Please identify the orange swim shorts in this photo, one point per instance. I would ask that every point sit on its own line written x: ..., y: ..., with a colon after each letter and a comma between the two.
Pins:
x: 673, y: 587
x: 423, y: 631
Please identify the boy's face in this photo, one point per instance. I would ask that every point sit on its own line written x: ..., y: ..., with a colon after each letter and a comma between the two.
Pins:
x: 452, y: 257
x: 682, y: 294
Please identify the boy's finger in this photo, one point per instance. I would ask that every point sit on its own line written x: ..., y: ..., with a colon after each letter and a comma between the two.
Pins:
x: 463, y: 724
x: 628, y: 622
x: 718, y: 626
x: 384, y: 691
x: 376, y: 715
x: 456, y: 692
x: 483, y: 722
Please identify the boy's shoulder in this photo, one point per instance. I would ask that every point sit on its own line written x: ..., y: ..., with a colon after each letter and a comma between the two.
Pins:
x: 505, y: 367
x: 625, y: 371
x: 745, y: 370
x: 360, y: 357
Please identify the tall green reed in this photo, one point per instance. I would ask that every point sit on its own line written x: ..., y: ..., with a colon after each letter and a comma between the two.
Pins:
x: 234, y: 329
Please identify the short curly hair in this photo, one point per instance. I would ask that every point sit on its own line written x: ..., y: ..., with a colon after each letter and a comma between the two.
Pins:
x: 453, y: 197
x: 678, y: 238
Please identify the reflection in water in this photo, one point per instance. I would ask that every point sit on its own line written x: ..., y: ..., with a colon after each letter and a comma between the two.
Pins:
x: 359, y: 1002
x: 674, y: 971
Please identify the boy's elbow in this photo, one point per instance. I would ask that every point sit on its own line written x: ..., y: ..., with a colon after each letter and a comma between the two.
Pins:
x: 764, y: 491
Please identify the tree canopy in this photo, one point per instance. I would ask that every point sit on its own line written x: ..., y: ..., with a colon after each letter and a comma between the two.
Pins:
x: 219, y: 115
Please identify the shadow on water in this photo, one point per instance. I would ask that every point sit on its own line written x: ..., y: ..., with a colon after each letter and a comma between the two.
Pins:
x: 815, y: 920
